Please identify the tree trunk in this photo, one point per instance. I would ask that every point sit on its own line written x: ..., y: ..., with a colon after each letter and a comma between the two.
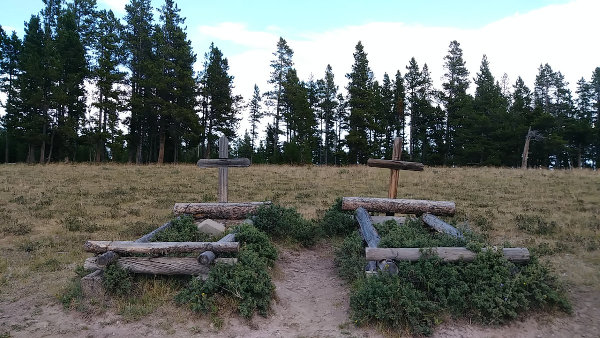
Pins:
x: 158, y: 248
x: 30, y: 154
x: 6, y: 148
x: 441, y: 226
x: 51, y: 147
x: 447, y: 254
x: 43, y: 147
x: 405, y: 206
x: 161, y: 147
x: 371, y: 237
x: 526, y: 150
x: 155, y: 265
x: 218, y: 210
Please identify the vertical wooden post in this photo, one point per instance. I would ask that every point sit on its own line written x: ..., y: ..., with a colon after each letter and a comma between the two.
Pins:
x: 394, y: 173
x: 223, y: 171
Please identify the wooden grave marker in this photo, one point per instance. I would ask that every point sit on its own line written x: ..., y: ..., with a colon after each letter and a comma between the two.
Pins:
x: 223, y: 163
x: 395, y: 165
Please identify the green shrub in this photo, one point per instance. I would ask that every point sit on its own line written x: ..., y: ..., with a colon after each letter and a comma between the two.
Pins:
x: 489, y: 290
x: 286, y: 223
x: 248, y: 282
x: 393, y: 302
x: 337, y: 222
x: 412, y: 234
x: 182, y: 229
x: 350, y: 258
x: 255, y: 240
x: 116, y: 280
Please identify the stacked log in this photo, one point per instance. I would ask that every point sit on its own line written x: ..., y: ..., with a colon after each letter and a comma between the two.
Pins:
x: 404, y: 206
x: 371, y: 237
x: 218, y: 210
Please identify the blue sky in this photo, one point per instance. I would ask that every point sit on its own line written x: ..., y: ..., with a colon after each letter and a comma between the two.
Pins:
x: 296, y: 17
x: 516, y: 35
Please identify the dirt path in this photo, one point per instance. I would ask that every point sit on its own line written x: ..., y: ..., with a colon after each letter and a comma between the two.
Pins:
x: 312, y: 301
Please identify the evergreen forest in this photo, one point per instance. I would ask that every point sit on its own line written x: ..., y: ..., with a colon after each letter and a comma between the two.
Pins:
x: 83, y: 85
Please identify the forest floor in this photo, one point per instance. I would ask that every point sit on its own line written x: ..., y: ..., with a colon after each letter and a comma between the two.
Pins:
x: 47, y: 212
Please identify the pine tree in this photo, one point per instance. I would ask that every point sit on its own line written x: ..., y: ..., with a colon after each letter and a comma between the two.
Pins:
x: 173, y: 78
x: 300, y: 119
x: 216, y: 87
x: 397, y: 122
x: 359, y: 103
x: 34, y: 86
x: 138, y: 45
x: 69, y: 93
x: 595, y: 83
x: 328, y: 106
x: 10, y: 52
x: 491, y: 132
x: 108, y: 78
x: 256, y: 114
x: 341, y: 125
x: 455, y: 99
x: 280, y: 65
x: 520, y: 117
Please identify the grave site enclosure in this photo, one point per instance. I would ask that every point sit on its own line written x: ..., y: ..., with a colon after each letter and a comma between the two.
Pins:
x: 203, y: 259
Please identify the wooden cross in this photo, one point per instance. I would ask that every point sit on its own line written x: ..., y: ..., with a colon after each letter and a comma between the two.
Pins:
x: 223, y: 163
x: 395, y: 165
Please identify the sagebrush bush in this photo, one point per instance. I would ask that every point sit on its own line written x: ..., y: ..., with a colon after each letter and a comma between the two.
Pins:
x: 337, y: 222
x: 490, y: 290
x: 248, y: 282
x: 286, y: 223
x: 182, y: 229
x: 255, y: 240
x: 116, y: 280
x: 350, y: 257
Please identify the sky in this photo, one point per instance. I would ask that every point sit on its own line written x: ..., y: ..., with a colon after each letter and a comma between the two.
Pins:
x: 516, y: 35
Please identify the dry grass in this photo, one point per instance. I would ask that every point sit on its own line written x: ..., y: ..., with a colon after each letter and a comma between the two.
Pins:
x: 47, y: 212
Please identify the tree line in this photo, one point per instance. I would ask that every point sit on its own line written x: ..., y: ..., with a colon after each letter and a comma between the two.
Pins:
x: 84, y: 85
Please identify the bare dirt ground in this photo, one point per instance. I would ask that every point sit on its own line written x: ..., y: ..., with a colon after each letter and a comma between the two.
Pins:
x: 311, y: 301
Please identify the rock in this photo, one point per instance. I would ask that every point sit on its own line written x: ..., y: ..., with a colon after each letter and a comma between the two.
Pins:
x: 91, y: 285
x: 211, y: 227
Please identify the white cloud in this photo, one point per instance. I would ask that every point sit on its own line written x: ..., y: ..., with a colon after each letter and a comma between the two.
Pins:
x: 561, y: 35
x: 117, y: 6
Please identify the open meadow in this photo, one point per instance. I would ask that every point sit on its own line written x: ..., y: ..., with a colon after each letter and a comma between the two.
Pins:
x: 48, y: 212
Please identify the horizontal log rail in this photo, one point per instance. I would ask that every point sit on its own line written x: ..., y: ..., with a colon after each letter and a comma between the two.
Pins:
x: 447, y: 254
x: 404, y: 206
x: 159, y: 248
x: 218, y: 210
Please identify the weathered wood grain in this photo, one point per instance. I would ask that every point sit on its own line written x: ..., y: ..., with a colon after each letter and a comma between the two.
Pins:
x: 158, y: 248
x: 371, y: 237
x: 405, y: 206
x: 155, y: 265
x: 218, y: 210
x: 223, y: 162
x: 448, y: 254
x: 441, y: 226
x: 395, y: 164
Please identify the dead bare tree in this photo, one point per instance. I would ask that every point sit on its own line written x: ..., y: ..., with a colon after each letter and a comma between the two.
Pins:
x: 531, y: 135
